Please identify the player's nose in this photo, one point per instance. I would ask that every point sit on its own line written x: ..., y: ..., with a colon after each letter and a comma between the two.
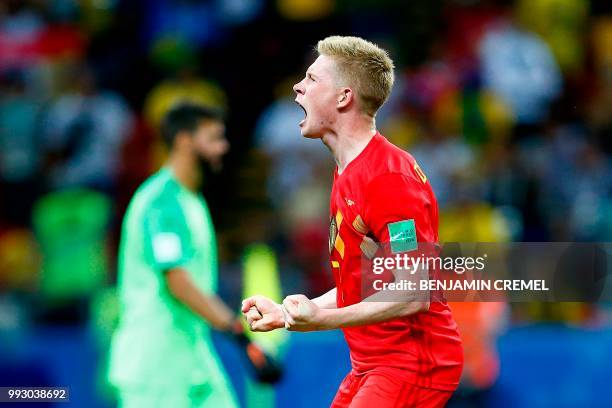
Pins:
x: 297, y: 88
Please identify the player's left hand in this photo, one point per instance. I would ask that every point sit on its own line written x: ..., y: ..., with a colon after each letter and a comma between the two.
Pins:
x: 302, y: 313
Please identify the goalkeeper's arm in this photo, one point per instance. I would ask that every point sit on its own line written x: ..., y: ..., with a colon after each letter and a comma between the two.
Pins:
x: 209, y: 307
x: 212, y: 309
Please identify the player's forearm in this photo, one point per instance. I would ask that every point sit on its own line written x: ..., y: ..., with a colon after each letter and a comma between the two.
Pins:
x: 365, y: 313
x: 326, y: 300
x: 380, y: 307
x: 209, y: 307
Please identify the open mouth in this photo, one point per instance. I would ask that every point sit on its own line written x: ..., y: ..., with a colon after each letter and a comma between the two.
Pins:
x: 305, y: 114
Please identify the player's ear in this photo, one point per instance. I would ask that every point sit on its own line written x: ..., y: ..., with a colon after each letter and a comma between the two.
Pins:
x: 345, y: 98
x: 182, y: 140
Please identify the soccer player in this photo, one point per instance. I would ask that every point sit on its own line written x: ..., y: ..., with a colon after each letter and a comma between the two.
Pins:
x: 403, y: 353
x: 162, y: 354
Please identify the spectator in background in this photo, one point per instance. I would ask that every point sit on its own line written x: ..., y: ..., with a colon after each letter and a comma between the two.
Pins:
x: 191, y: 21
x: 434, y: 150
x: 83, y: 131
x: 20, y: 153
x: 600, y: 105
x: 519, y: 67
x: 471, y: 219
x: 294, y: 160
x: 480, y: 324
x: 561, y: 24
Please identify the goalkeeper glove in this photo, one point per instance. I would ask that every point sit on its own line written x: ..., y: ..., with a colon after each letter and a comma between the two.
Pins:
x: 266, y: 369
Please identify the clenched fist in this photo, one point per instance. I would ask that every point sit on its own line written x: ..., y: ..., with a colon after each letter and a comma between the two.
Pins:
x: 302, y: 313
x: 263, y: 314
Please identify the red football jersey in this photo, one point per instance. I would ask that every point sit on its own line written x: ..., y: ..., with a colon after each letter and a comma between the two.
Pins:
x: 384, y: 185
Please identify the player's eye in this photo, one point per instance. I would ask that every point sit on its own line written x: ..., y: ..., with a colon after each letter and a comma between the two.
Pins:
x: 310, y: 77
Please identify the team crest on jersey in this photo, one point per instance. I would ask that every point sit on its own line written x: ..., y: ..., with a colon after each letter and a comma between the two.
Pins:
x: 333, y: 233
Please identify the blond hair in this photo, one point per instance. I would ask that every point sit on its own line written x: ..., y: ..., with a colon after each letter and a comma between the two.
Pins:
x: 363, y: 65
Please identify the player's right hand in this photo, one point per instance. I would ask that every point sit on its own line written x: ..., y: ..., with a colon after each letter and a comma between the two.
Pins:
x: 263, y: 314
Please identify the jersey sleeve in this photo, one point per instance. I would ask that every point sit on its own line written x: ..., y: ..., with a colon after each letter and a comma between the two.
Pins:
x: 167, y: 238
x: 397, y: 212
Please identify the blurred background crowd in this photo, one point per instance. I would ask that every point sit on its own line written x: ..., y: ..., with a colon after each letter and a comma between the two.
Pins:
x: 507, y: 106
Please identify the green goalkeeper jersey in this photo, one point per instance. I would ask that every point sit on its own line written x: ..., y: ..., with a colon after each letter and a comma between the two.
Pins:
x: 159, y: 341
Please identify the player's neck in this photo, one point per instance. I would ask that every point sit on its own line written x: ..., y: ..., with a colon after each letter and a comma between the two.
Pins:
x: 186, y: 170
x: 349, y: 141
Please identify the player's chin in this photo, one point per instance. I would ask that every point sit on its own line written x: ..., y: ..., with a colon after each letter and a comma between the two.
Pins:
x: 308, y: 133
x: 303, y: 128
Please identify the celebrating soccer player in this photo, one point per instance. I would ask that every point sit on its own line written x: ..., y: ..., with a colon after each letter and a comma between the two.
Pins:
x: 162, y: 353
x: 403, y: 353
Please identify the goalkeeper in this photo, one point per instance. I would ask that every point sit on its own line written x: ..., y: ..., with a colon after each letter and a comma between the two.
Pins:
x: 162, y: 353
